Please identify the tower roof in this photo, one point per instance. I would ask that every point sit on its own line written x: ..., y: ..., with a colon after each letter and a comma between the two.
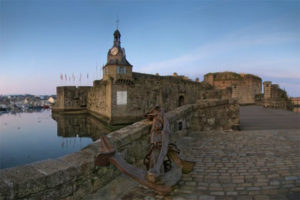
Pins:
x: 117, y: 34
x: 116, y: 55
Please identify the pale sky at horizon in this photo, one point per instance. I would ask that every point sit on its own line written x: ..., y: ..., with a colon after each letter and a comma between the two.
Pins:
x: 39, y: 40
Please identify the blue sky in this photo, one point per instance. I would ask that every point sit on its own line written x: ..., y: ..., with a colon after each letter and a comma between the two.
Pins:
x: 39, y: 40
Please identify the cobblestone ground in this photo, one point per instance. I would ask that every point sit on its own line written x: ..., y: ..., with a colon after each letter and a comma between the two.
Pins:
x: 238, y: 165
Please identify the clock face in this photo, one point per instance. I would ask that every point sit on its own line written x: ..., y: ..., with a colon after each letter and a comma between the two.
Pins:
x: 114, y: 51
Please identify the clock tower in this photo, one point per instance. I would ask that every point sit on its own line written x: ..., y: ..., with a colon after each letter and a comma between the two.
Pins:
x: 117, y: 67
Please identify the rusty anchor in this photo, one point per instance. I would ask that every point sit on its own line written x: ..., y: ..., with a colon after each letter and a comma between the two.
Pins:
x: 164, y: 166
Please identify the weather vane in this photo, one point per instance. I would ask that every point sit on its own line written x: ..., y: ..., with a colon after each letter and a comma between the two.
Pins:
x: 117, y: 21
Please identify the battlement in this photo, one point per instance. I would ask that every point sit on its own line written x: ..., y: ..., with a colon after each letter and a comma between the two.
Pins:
x: 223, y: 76
x: 174, y: 78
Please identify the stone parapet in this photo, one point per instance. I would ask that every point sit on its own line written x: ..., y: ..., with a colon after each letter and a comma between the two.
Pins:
x: 205, y: 115
x: 285, y: 104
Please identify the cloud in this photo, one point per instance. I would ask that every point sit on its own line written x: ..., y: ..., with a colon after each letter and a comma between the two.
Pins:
x: 214, y: 49
x: 249, y: 38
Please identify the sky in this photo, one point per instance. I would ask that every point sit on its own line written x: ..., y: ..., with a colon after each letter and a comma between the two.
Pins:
x: 42, y: 39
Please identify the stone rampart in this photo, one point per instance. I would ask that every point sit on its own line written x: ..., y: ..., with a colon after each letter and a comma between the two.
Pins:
x: 275, y: 97
x: 244, y: 86
x: 99, y: 98
x: 205, y: 115
x: 71, y: 98
x: 145, y: 91
x: 126, y: 101
x: 72, y: 176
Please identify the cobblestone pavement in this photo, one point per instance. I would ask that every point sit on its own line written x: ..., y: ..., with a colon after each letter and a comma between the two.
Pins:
x: 238, y: 165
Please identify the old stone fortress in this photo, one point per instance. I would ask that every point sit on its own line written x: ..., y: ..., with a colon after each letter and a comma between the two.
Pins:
x: 124, y: 96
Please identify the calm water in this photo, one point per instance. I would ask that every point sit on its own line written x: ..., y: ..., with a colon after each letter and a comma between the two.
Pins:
x: 29, y: 137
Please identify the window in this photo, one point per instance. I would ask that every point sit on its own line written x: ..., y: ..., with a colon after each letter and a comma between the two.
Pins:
x: 121, y: 70
x: 105, y: 70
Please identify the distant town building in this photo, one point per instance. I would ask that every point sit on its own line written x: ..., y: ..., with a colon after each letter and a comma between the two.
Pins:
x: 51, y: 100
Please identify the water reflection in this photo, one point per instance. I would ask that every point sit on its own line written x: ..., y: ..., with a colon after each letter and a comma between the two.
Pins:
x: 79, y: 125
x: 30, y: 137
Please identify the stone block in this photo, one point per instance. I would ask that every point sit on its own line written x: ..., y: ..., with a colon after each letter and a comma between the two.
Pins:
x: 82, y: 161
x: 25, y: 180
x: 59, y: 192
x: 57, y: 172
x: 82, y: 188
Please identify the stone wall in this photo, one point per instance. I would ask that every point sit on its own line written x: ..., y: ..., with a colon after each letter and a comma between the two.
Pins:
x: 244, y: 86
x: 147, y: 91
x: 141, y: 93
x: 99, y: 99
x: 205, y: 115
x: 216, y: 94
x: 275, y: 97
x: 72, y: 176
x: 71, y: 98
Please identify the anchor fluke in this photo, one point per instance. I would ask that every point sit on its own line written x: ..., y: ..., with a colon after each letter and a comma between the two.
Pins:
x: 107, y: 151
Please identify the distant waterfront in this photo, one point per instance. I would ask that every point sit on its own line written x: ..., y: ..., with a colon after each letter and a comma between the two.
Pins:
x: 296, y: 109
x: 30, y: 137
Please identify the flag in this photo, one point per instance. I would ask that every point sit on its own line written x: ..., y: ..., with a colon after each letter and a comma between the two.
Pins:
x: 66, y: 78
x: 61, y: 77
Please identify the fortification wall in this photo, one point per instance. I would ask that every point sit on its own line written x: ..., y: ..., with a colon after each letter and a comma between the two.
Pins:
x: 275, y: 97
x: 220, y: 94
x: 99, y: 100
x: 75, y: 175
x: 146, y: 91
x: 244, y: 86
x: 205, y: 115
x: 126, y: 101
x: 71, y: 98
